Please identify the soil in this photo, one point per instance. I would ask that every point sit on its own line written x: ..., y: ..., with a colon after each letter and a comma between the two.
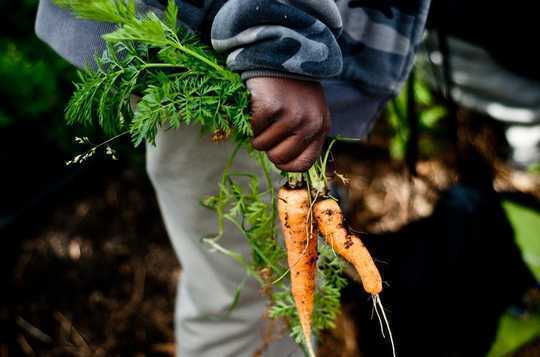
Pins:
x: 95, y: 274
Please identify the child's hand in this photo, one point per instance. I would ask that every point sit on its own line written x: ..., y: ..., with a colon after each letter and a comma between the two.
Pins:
x: 290, y: 120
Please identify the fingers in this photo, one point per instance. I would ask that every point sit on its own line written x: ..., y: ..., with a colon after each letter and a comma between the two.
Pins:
x: 310, y: 154
x: 285, y: 147
x: 277, y: 132
x: 265, y: 108
x: 263, y: 115
x: 293, y: 143
x: 288, y: 149
x: 306, y: 159
x: 290, y: 120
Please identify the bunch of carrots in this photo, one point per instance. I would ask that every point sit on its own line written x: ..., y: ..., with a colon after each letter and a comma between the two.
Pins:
x: 177, y: 75
x: 305, y: 211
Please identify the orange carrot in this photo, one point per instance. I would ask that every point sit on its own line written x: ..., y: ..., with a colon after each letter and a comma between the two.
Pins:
x: 329, y: 218
x: 330, y: 222
x: 301, y: 244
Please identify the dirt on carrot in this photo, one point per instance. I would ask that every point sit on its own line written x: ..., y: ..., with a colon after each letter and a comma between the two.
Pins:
x: 330, y: 222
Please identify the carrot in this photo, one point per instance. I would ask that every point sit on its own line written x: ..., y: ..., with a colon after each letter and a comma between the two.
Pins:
x: 329, y: 218
x: 330, y: 222
x: 301, y: 245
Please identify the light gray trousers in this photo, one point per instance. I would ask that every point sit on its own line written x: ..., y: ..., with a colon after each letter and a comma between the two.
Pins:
x: 185, y: 167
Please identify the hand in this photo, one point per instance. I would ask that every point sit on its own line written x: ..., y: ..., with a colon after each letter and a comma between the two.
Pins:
x: 290, y: 121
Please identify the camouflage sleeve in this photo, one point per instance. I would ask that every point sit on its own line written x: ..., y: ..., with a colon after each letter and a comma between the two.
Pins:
x: 259, y: 37
x: 292, y: 38
x: 379, y: 41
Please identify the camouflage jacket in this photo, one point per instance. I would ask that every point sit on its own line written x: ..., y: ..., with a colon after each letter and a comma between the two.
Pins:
x: 368, y: 42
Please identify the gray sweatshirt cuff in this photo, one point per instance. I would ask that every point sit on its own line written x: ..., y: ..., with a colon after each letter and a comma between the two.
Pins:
x: 275, y: 74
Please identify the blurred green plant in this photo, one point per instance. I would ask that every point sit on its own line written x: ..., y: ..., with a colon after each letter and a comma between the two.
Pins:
x: 35, y: 84
x: 430, y: 114
x: 515, y: 331
x: 31, y: 88
x: 34, y: 81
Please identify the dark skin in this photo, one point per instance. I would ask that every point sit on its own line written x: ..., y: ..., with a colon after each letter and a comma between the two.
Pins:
x: 290, y: 120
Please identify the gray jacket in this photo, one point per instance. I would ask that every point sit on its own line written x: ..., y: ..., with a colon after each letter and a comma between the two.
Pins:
x: 363, y: 50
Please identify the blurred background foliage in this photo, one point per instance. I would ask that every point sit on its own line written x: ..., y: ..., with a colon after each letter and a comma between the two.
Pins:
x: 430, y: 115
x: 35, y: 81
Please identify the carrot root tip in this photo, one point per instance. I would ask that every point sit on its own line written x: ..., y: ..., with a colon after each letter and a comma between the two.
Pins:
x: 379, y: 311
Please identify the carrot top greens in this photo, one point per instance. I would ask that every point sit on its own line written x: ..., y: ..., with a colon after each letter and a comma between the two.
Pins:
x: 179, y: 80
x: 182, y: 82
